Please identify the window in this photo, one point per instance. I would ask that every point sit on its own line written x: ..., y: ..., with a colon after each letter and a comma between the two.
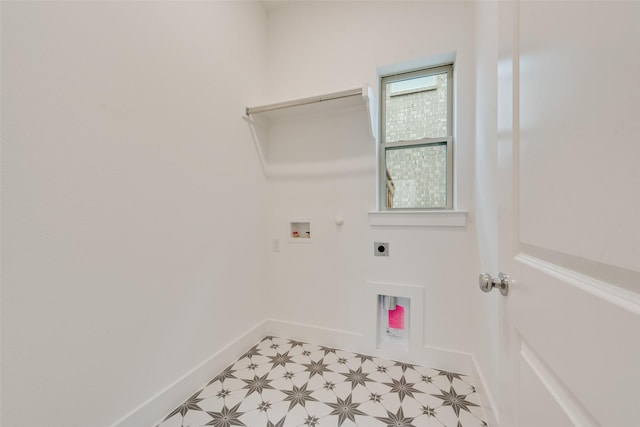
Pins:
x: 416, y: 136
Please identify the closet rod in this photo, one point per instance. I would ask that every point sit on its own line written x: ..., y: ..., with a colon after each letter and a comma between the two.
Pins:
x: 304, y: 101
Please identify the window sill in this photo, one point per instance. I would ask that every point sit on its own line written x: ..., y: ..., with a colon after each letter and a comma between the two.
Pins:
x: 417, y: 218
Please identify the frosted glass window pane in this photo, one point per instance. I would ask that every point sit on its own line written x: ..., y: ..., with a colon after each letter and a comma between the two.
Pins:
x: 419, y: 83
x: 416, y: 108
x: 417, y: 176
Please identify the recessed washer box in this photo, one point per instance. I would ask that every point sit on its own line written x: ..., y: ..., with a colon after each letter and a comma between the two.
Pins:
x: 299, y: 230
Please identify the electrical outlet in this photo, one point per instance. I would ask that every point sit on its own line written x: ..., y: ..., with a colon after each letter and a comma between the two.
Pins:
x: 381, y: 248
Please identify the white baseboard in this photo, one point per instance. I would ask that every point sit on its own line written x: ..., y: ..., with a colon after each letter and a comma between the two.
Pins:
x: 486, y: 397
x: 337, y: 338
x: 432, y: 357
x: 148, y: 413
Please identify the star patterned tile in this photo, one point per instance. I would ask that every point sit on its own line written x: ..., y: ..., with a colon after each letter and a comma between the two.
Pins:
x: 287, y: 383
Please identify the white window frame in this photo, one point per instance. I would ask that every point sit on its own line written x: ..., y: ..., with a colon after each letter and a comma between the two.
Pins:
x: 447, y: 140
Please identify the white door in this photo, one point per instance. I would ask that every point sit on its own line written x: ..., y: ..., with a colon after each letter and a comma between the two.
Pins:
x: 569, y: 172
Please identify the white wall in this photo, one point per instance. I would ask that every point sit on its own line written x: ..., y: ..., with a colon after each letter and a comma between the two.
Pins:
x: 131, y: 200
x: 322, y: 47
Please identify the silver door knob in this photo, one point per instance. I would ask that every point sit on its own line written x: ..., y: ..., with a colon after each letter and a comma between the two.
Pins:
x: 486, y: 283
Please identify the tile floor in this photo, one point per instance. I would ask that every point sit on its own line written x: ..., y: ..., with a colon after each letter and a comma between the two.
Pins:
x: 286, y: 383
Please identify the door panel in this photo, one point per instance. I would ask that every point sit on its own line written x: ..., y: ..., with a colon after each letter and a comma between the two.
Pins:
x: 536, y: 392
x: 579, y: 66
x: 569, y: 205
x: 590, y: 345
